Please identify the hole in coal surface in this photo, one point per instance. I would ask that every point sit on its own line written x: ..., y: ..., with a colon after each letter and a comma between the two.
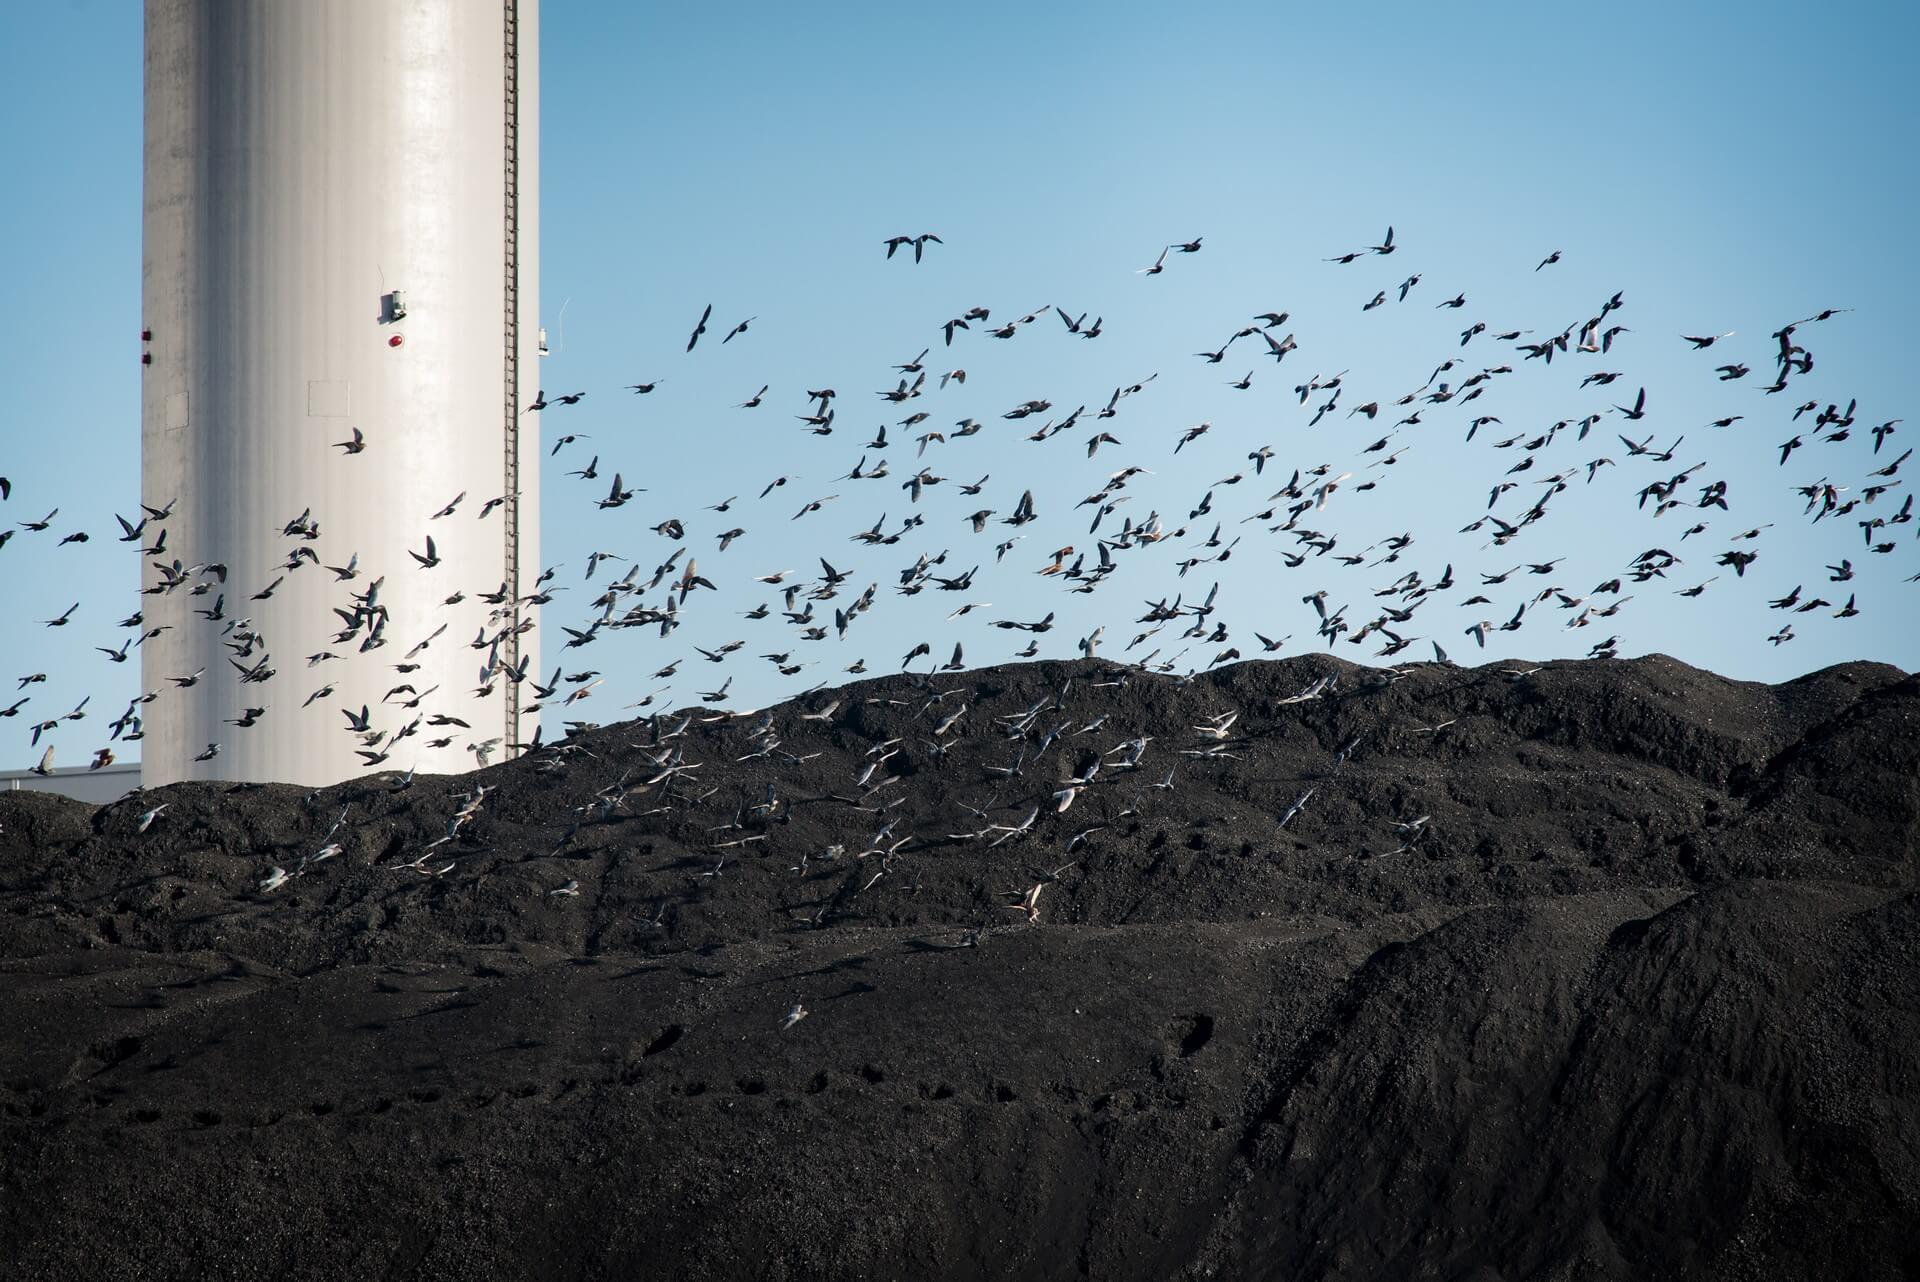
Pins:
x: 1385, y: 953
x: 668, y: 1036
x: 1004, y: 1094
x: 751, y: 1086
x: 118, y: 1051
x: 320, y: 1108
x: 206, y: 1117
x: 817, y: 1084
x: 1199, y: 1033
x: 873, y: 1075
x: 1629, y: 933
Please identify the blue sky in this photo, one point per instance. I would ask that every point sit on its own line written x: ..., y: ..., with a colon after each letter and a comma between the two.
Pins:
x: 1729, y: 167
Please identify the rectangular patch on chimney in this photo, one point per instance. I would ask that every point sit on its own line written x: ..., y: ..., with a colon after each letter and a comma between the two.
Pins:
x: 329, y: 398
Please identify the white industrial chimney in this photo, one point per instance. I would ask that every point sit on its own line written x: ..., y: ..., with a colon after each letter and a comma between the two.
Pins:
x: 341, y: 232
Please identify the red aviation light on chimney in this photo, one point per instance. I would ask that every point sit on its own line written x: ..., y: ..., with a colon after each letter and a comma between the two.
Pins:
x: 396, y: 341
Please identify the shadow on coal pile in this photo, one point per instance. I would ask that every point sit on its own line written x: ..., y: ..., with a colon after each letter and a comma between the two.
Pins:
x: 1053, y: 970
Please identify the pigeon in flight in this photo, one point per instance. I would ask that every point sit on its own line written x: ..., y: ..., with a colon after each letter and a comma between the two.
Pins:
x: 919, y: 243
x: 699, y: 328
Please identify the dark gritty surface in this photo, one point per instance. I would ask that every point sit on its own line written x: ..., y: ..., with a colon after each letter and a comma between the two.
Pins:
x: 1640, y: 1001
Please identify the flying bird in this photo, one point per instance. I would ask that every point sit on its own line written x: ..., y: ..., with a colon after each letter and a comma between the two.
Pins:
x: 700, y: 327
x: 919, y: 243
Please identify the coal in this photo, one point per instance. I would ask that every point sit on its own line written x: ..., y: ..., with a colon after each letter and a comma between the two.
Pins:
x: 1599, y: 969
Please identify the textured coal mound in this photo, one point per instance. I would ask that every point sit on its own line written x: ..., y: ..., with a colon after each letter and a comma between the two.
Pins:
x: 1608, y: 970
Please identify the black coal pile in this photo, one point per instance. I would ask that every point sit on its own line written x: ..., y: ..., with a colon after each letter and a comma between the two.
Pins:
x: 1291, y: 970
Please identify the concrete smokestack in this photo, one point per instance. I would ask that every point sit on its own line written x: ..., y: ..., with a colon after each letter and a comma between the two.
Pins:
x: 341, y: 231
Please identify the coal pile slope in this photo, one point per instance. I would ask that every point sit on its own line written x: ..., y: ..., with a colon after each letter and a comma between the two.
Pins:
x: 1602, y: 970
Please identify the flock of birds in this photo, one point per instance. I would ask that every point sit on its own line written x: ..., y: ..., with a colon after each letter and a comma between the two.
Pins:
x: 960, y: 536
x: 1380, y: 597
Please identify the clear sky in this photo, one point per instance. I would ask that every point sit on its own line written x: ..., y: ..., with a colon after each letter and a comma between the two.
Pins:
x: 1726, y: 166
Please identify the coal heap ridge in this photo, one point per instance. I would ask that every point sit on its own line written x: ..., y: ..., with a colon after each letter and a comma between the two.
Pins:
x: 1600, y: 969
